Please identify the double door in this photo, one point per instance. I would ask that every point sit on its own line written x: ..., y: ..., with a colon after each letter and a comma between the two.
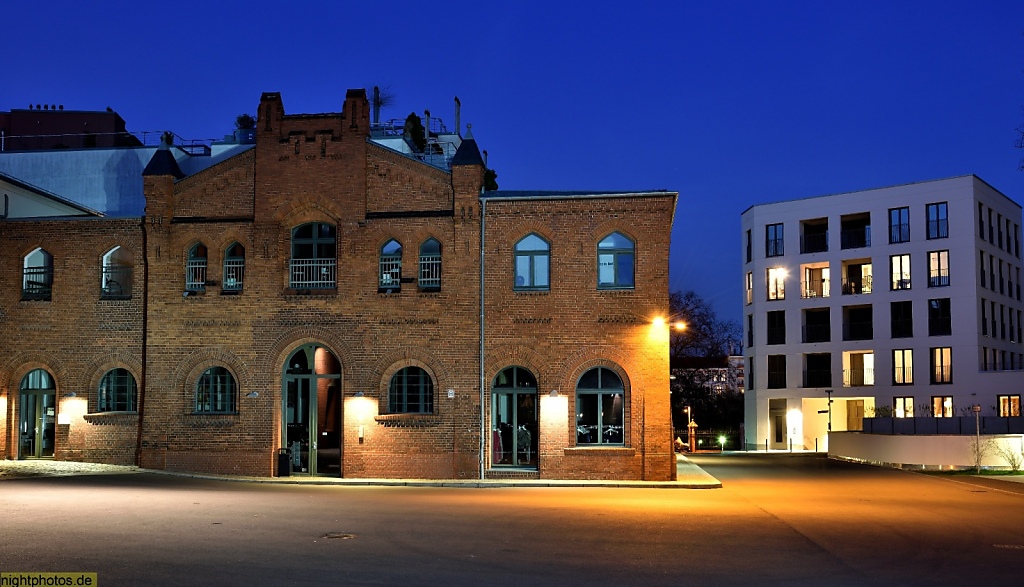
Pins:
x: 312, y: 424
x: 36, y: 426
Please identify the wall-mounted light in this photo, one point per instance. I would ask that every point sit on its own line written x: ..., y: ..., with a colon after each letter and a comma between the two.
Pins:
x: 554, y: 393
x: 70, y: 394
x: 253, y: 394
x: 359, y: 394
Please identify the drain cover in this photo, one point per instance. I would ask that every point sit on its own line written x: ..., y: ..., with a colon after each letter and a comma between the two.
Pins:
x: 341, y: 535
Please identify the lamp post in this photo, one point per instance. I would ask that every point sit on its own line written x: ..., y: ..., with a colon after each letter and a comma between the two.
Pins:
x: 977, y: 439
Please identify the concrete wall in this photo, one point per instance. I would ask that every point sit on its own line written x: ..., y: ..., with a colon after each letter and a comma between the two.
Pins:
x: 938, y: 451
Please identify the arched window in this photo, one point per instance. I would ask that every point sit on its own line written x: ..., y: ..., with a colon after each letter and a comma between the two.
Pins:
x: 599, y: 407
x: 116, y: 277
x: 314, y: 263
x: 411, y: 392
x: 37, y: 277
x: 390, y: 266
x: 430, y: 265
x: 195, y: 268
x: 615, y: 262
x: 117, y: 392
x: 216, y: 392
x: 532, y: 263
x: 514, y: 418
x: 234, y: 268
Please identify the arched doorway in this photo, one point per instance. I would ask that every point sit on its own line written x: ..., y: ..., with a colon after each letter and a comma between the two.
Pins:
x: 514, y: 419
x: 311, y: 410
x: 37, y: 415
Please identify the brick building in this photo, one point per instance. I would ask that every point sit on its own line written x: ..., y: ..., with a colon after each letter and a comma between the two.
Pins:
x: 369, y: 310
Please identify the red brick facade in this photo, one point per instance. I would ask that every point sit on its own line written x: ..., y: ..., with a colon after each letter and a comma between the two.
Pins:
x: 322, y: 169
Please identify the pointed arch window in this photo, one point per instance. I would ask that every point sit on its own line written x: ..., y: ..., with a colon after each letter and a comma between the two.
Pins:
x: 615, y: 255
x: 37, y: 276
x: 195, y: 268
x: 234, y: 268
x: 117, y: 392
x: 600, y: 402
x: 532, y: 263
x: 117, y: 274
x: 430, y: 265
x: 314, y: 263
x: 390, y: 267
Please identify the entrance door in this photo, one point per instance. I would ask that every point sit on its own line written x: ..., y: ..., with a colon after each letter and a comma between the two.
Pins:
x: 38, y: 416
x: 514, y: 419
x: 311, y: 411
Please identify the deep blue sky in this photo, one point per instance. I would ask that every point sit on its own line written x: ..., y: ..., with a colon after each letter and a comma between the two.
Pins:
x: 729, y: 103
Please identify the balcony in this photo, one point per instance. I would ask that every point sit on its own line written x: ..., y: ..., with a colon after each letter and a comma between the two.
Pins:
x: 776, y: 380
x: 817, y: 333
x: 858, y: 331
x: 818, y: 378
x: 814, y: 242
x: 858, y: 377
x: 312, y: 273
x: 814, y: 288
x: 857, y: 285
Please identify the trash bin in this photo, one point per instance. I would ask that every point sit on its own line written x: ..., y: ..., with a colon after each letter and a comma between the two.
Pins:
x: 284, y: 462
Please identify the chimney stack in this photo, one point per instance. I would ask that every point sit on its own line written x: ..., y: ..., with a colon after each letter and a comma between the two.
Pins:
x: 458, y: 116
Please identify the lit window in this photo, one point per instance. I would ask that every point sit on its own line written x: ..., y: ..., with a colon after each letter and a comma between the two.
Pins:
x: 615, y: 262
x: 903, y: 367
x: 1009, y: 406
x: 942, y: 365
x: 776, y: 283
x: 750, y: 287
x: 942, y: 406
x: 599, y: 408
x: 117, y: 392
x: 900, y: 265
x: 532, y: 260
x: 903, y: 407
x: 216, y: 392
x: 938, y: 269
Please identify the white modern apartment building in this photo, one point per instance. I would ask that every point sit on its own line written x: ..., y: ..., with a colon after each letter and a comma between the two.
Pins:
x: 899, y: 302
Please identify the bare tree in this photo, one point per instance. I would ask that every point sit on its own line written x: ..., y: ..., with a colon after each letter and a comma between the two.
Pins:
x: 705, y: 334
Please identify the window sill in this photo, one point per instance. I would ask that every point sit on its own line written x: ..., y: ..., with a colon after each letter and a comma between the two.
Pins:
x: 389, y: 290
x: 620, y: 288
x: 598, y: 450
x: 230, y: 292
x: 112, y: 418
x: 311, y: 293
x: 115, y: 298
x: 408, y: 420
x: 532, y: 292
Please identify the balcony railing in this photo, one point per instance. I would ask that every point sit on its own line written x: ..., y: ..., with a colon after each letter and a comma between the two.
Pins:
x: 195, y: 275
x: 899, y: 233
x: 903, y: 375
x: 234, y: 274
x: 902, y: 328
x: 942, y: 374
x: 857, y: 286
x: 938, y: 228
x: 390, y: 272
x: 116, y: 282
x: 814, y: 243
x: 817, y: 332
x: 776, y: 335
x: 37, y: 283
x: 939, y: 278
x: 776, y: 380
x: 430, y: 272
x: 773, y: 247
x: 943, y: 326
x: 858, y: 377
x: 818, y: 378
x: 313, y: 273
x: 814, y: 288
x: 858, y: 331
x: 855, y: 238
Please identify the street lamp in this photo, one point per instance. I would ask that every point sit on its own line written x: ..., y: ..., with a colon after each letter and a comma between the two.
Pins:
x: 977, y: 439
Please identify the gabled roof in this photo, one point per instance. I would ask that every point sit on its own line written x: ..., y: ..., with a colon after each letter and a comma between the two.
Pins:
x: 5, y: 178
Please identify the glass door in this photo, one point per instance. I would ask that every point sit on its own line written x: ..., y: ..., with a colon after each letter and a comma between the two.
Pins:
x: 299, y: 421
x: 514, y: 429
x: 38, y: 416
